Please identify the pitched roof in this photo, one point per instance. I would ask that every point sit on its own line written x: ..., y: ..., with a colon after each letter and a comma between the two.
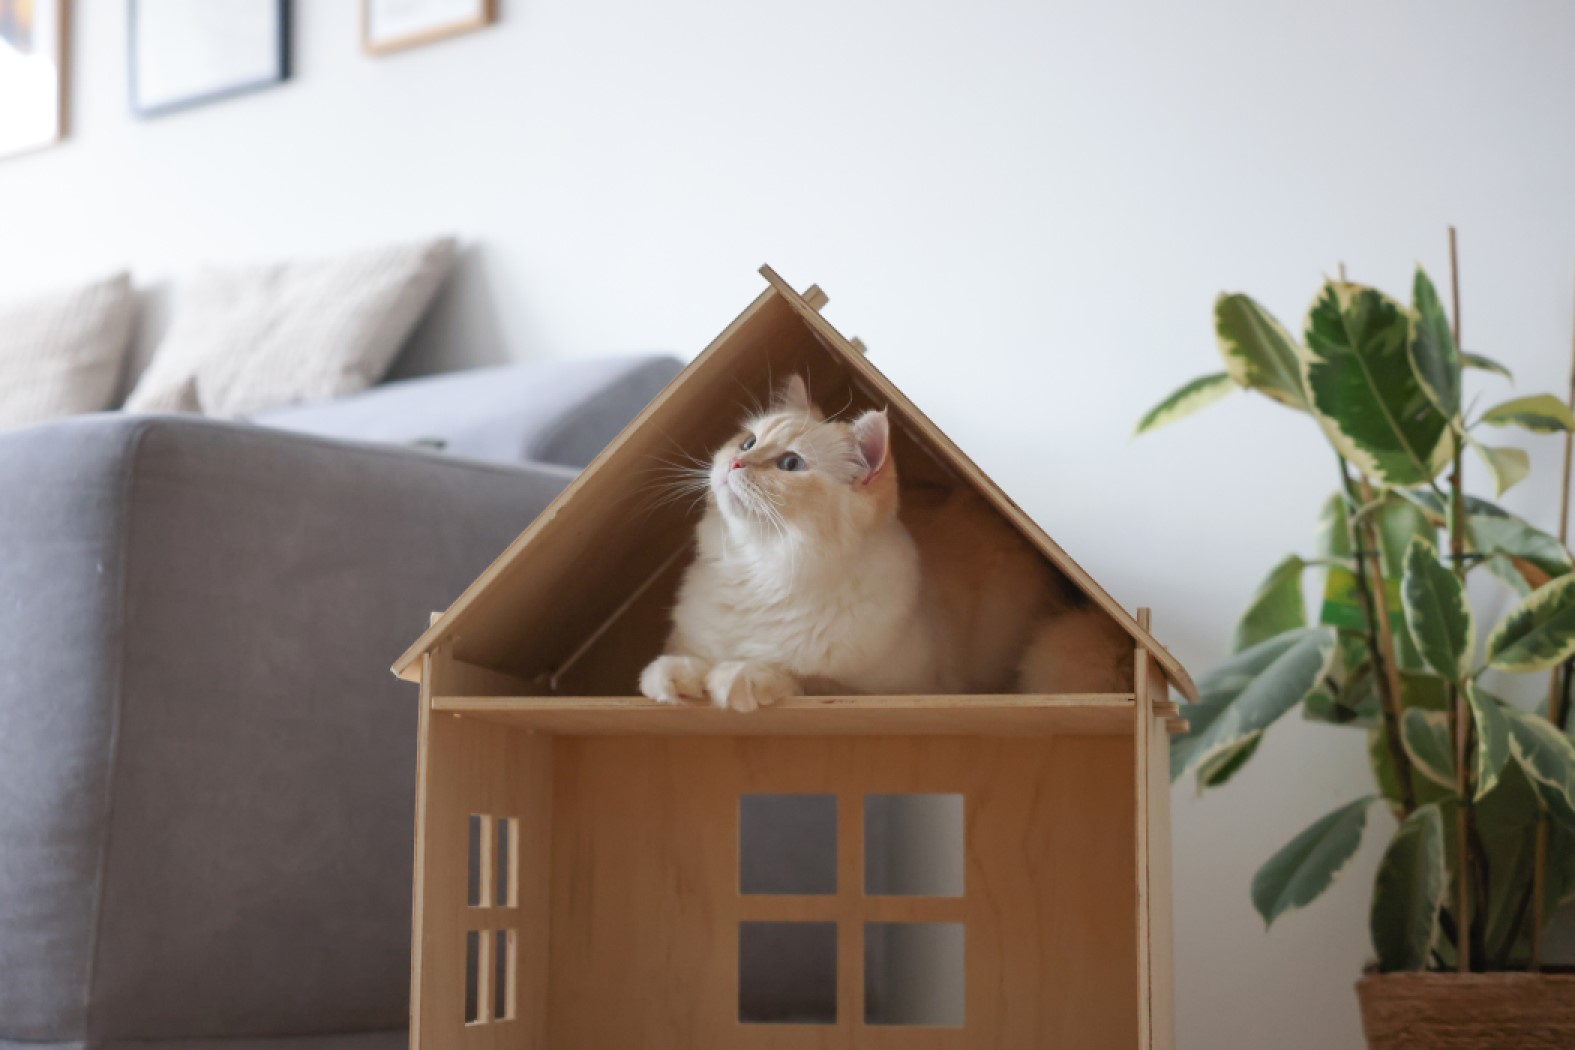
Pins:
x: 543, y: 609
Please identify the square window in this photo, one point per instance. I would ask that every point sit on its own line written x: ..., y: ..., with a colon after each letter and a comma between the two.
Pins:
x: 787, y: 972
x: 787, y: 844
x: 914, y: 845
x: 914, y: 974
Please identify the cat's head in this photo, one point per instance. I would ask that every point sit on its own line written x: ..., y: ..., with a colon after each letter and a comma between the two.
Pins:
x: 791, y: 471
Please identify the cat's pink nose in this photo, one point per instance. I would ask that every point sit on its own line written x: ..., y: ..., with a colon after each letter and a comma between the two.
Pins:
x: 735, y: 464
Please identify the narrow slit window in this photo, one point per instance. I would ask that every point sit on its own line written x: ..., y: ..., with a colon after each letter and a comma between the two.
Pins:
x: 787, y: 973
x: 505, y: 965
x: 914, y: 845
x: 787, y: 844
x: 507, y: 880
x: 473, y: 865
x: 473, y: 977
x: 483, y: 864
x: 914, y: 974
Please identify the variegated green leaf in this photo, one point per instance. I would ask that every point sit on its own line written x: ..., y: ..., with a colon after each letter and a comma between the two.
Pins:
x: 1222, y: 765
x: 1198, y: 394
x: 1426, y: 738
x: 1537, y: 633
x: 1333, y: 538
x: 1492, y: 530
x: 1433, y: 354
x: 1308, y: 865
x: 1436, y: 611
x: 1381, y: 761
x: 1492, y: 739
x: 1410, y: 892
x: 1279, y: 606
x: 1259, y: 353
x: 1508, y: 466
x: 1506, y: 827
x: 1497, y: 532
x: 1485, y: 364
x: 1250, y: 691
x: 1400, y: 523
x: 1357, y: 369
x: 1541, y: 413
x: 1547, y: 758
x: 1504, y: 567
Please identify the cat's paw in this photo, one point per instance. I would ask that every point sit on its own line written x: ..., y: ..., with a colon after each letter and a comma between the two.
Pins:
x: 674, y: 679
x: 746, y: 685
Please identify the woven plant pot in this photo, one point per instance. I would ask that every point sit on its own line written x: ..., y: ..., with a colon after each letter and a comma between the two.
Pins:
x: 1482, y: 1011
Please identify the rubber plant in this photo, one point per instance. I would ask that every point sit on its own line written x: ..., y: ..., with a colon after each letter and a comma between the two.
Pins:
x: 1483, y: 789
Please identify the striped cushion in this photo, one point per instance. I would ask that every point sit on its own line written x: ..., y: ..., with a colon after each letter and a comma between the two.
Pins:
x: 244, y: 340
x: 61, y: 353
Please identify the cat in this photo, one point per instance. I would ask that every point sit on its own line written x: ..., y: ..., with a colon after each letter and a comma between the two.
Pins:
x: 808, y: 575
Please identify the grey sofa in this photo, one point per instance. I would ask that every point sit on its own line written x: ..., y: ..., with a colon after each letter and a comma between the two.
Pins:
x: 206, y: 770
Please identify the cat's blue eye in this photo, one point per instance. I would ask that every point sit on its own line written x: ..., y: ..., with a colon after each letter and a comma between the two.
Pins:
x: 790, y: 461
x: 749, y: 443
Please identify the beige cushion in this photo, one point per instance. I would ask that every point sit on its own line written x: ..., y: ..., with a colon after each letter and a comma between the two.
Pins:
x: 242, y: 340
x: 61, y: 353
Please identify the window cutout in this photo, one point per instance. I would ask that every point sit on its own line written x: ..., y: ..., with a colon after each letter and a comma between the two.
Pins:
x: 914, y: 974
x: 473, y: 868
x: 913, y: 845
x: 787, y: 844
x: 472, y: 984
x: 507, y: 879
x: 787, y: 972
x: 505, y: 964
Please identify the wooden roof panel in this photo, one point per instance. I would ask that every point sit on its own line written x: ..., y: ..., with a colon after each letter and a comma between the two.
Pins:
x: 546, y: 593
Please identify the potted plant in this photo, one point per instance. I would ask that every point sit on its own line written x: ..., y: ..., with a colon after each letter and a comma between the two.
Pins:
x: 1483, y: 789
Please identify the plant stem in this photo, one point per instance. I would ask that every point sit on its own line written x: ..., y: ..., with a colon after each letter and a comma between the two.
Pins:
x: 1460, y: 717
x: 1380, y: 639
x: 1558, y: 706
x: 1459, y: 709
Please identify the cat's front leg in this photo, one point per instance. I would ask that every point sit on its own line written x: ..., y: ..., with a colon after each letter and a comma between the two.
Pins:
x: 745, y: 685
x: 673, y: 679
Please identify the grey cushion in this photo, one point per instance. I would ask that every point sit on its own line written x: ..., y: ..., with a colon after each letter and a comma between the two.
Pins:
x: 551, y: 411
x: 206, y: 770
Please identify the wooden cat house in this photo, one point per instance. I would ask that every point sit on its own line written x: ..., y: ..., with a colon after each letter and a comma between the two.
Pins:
x: 595, y: 871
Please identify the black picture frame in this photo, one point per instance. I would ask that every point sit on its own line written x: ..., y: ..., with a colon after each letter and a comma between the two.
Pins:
x: 278, y: 75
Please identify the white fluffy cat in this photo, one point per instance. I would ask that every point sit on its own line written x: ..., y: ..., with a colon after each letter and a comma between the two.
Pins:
x: 805, y: 576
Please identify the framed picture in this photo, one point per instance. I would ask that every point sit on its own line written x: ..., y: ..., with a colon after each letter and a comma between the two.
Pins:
x: 390, y: 25
x: 186, y: 52
x: 32, y: 74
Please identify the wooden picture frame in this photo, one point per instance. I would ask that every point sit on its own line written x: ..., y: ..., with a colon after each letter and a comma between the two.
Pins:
x: 34, y: 64
x: 396, y: 25
x: 244, y: 46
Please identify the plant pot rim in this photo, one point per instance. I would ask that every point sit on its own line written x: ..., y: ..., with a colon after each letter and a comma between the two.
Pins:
x: 1557, y: 974
x: 1441, y: 1010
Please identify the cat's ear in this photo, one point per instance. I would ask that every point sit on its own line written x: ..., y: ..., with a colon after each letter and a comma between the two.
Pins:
x: 792, y: 395
x: 872, y: 435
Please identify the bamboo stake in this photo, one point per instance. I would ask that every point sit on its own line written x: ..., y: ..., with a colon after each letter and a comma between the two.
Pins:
x: 1558, y: 691
x: 1460, y: 711
x: 1369, y: 577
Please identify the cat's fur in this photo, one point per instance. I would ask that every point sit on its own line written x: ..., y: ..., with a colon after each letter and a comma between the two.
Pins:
x: 809, y: 578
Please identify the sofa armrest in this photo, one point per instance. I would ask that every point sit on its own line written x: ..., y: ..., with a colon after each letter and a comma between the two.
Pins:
x: 206, y: 768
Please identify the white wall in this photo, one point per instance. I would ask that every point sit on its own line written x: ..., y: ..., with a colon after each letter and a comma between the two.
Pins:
x: 1025, y: 209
